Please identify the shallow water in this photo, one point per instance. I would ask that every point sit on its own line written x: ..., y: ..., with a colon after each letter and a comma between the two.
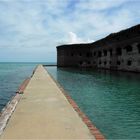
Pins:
x: 110, y: 99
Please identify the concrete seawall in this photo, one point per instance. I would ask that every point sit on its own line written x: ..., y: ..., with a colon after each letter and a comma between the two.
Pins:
x: 45, y: 113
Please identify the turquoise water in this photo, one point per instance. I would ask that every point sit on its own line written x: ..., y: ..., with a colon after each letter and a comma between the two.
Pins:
x: 11, y: 76
x: 110, y: 99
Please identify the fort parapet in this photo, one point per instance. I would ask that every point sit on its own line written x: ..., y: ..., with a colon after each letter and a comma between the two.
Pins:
x: 117, y: 51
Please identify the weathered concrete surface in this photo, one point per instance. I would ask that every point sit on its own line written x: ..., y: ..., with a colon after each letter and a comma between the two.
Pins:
x: 44, y: 113
x: 7, y: 112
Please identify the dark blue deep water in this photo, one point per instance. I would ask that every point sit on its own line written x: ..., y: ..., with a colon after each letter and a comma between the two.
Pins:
x: 110, y: 99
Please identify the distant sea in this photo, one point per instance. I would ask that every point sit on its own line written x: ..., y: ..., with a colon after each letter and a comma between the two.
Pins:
x: 11, y: 76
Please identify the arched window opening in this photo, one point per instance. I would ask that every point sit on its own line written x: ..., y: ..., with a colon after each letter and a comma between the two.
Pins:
x: 118, y: 62
x: 80, y: 54
x: 99, y: 53
x: 72, y: 54
x: 100, y: 62
x: 89, y: 54
x: 119, y: 51
x: 105, y: 52
x: 80, y: 62
x: 110, y: 52
x: 129, y: 62
x: 128, y: 48
x: 89, y: 62
x: 138, y: 48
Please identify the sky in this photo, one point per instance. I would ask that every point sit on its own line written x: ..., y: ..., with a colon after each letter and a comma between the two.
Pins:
x: 30, y: 30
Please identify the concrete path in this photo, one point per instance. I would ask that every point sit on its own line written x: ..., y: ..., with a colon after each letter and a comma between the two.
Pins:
x: 44, y: 113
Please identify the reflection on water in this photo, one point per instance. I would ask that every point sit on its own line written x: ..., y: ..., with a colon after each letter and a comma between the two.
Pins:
x: 110, y: 99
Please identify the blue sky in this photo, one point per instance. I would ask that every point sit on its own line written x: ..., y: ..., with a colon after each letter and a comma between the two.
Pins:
x: 30, y: 30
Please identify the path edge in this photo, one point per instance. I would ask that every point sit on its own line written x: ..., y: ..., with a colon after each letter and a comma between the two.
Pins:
x: 10, y: 107
x: 93, y: 129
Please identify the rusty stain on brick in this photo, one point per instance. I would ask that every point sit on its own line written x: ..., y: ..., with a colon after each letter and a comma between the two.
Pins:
x: 23, y: 86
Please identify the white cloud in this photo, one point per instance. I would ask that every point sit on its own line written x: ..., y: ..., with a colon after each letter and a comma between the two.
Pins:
x: 74, y: 39
x: 33, y: 24
x: 99, y: 4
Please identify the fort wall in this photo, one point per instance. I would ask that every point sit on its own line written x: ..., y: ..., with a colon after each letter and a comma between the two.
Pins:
x: 118, y: 51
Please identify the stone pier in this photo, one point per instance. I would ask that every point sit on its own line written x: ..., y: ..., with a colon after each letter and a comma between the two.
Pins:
x: 43, y: 112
